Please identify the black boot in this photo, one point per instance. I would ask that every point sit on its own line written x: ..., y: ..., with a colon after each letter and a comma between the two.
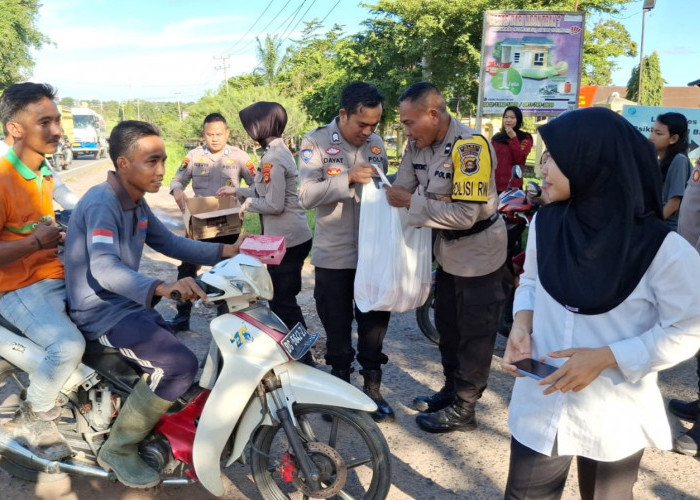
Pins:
x: 438, y: 401
x: 308, y: 359
x: 689, y: 443
x: 181, y: 322
x: 687, y: 410
x: 459, y: 416
x: 373, y: 381
x: 342, y: 374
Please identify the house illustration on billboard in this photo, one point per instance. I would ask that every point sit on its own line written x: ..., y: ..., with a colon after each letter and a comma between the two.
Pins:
x: 530, y: 55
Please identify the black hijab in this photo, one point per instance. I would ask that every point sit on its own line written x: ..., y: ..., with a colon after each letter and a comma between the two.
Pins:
x: 264, y: 121
x: 502, y: 136
x: 594, y: 248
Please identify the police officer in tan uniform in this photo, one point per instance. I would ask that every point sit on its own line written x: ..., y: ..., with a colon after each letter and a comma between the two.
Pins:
x: 335, y: 160
x: 209, y: 167
x: 454, y: 170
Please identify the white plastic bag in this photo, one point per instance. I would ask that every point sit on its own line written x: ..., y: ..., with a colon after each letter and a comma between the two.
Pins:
x: 394, y: 258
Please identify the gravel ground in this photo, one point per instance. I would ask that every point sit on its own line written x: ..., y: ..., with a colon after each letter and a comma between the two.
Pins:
x: 470, y: 465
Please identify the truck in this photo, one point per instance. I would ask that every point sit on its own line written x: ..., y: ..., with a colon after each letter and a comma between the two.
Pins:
x: 90, y: 133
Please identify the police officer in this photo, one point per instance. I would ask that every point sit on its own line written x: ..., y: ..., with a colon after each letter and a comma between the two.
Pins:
x: 454, y: 167
x: 335, y: 160
x: 210, y: 167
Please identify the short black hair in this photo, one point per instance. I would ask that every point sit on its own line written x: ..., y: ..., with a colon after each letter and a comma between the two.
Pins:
x: 214, y: 117
x: 418, y: 92
x: 360, y: 94
x: 123, y: 139
x: 16, y: 97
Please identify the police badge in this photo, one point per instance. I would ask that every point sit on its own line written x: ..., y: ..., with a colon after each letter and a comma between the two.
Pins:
x: 469, y: 158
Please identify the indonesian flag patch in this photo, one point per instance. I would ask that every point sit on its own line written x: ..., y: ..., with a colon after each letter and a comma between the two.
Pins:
x: 102, y: 236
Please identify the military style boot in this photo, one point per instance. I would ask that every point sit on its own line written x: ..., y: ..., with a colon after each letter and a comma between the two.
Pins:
x: 181, y: 322
x: 687, y: 410
x: 135, y: 421
x: 438, y: 401
x: 458, y: 416
x: 373, y: 381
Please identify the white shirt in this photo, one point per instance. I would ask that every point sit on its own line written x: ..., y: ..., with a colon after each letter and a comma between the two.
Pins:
x: 621, y: 411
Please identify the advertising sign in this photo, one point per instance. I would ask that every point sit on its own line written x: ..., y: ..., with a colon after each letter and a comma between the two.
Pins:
x: 643, y: 117
x: 530, y: 59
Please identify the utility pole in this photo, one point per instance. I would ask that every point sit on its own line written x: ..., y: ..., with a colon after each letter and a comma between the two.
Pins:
x: 224, y: 66
x: 648, y: 5
x: 138, y: 110
x: 179, y: 113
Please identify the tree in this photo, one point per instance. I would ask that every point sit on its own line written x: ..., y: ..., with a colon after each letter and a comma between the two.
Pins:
x: 18, y: 35
x: 607, y: 40
x: 269, y: 59
x: 652, y: 82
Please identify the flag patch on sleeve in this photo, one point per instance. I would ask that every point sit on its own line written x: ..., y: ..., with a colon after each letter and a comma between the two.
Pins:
x: 102, y: 236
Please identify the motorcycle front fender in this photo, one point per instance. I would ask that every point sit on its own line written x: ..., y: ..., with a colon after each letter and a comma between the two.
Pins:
x: 300, y: 384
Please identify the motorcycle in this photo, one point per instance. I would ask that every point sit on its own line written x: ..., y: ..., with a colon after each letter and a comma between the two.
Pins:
x: 253, y: 395
x: 63, y: 156
x: 517, y: 207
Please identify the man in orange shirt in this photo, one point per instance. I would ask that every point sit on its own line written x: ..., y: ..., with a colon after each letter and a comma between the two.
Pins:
x: 32, y: 289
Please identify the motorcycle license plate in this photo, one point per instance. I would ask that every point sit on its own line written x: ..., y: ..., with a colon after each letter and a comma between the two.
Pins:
x: 298, y: 341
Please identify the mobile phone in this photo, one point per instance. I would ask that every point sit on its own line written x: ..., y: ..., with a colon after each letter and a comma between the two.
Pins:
x: 533, y: 368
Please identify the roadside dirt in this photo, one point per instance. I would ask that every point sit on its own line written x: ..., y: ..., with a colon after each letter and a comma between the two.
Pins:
x: 439, y: 467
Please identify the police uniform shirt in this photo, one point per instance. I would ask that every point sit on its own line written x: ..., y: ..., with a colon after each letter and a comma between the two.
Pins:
x: 208, y: 174
x: 324, y: 160
x: 457, y: 189
x: 689, y: 212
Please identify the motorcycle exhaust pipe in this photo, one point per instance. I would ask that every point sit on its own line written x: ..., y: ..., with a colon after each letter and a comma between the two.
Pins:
x: 15, y: 451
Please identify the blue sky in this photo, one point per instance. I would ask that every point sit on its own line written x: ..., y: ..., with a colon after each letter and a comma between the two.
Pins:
x: 164, y: 50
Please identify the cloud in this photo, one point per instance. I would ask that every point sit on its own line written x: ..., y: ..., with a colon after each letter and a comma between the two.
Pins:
x: 679, y: 51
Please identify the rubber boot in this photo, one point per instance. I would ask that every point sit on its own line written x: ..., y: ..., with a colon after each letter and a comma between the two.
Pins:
x: 373, y: 381
x: 441, y: 399
x: 459, y: 416
x: 181, y: 322
x: 689, y: 443
x: 135, y: 421
x: 687, y: 410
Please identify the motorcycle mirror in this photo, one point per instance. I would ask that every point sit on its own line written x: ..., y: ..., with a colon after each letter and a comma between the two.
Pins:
x: 517, y: 172
x: 533, y: 189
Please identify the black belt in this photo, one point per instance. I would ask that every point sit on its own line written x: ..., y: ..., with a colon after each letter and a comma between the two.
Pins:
x: 454, y: 234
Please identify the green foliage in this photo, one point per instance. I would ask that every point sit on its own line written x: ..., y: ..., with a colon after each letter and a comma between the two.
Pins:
x: 607, y: 39
x: 652, y: 82
x: 18, y: 35
x: 269, y: 58
x: 176, y: 151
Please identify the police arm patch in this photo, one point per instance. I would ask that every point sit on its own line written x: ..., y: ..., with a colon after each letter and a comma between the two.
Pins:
x: 472, y: 163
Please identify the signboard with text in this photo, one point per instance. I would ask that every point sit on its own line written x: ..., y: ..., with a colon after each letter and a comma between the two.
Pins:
x: 530, y: 59
x: 643, y: 117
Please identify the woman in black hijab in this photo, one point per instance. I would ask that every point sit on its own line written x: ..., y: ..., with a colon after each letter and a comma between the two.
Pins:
x: 274, y: 197
x: 608, y: 298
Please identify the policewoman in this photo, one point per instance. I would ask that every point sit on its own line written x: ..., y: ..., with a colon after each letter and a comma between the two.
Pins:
x: 335, y: 160
x: 209, y: 167
x: 446, y: 181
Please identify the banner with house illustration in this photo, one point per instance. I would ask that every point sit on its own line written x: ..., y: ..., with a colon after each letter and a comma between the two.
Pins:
x: 530, y: 59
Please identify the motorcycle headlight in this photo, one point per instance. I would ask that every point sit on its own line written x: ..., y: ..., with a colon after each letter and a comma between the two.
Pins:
x: 259, y: 276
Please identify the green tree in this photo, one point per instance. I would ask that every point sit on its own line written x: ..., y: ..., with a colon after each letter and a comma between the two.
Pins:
x: 269, y: 57
x: 18, y: 35
x: 652, y: 82
x: 607, y: 40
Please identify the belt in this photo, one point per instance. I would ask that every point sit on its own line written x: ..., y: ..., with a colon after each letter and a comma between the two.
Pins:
x: 454, y: 234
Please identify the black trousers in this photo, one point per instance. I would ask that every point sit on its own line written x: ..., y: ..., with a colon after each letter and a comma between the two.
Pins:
x: 466, y: 316
x: 286, y: 280
x: 697, y: 369
x: 538, y: 477
x: 334, y: 292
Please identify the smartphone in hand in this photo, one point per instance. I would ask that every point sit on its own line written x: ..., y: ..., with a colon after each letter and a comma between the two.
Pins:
x: 534, y: 369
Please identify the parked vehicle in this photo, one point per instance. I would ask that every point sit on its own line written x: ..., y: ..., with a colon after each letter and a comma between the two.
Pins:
x: 90, y: 133
x: 63, y: 156
x: 261, y: 399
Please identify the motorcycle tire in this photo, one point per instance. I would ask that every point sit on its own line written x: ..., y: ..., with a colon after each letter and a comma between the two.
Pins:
x: 13, y: 382
x: 425, y: 317
x: 350, y: 452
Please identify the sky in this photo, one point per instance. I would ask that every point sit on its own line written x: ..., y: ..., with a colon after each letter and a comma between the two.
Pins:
x: 168, y: 50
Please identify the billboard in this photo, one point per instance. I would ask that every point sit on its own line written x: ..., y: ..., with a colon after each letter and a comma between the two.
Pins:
x: 643, y: 117
x: 530, y: 59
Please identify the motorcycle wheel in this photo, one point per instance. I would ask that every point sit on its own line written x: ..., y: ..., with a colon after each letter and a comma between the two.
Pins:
x: 349, y: 451
x: 425, y: 317
x: 13, y: 388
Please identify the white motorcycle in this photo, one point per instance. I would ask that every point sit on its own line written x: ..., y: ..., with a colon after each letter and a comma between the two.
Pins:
x: 305, y: 432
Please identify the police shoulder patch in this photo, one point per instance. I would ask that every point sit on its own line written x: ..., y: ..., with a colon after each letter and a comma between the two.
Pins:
x: 472, y: 163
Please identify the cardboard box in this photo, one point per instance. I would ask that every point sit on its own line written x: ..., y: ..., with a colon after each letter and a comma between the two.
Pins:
x: 208, y: 217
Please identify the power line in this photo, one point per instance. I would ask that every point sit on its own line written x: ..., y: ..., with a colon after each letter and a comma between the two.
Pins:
x: 289, y: 33
x: 245, y: 45
x: 251, y: 27
x: 329, y: 12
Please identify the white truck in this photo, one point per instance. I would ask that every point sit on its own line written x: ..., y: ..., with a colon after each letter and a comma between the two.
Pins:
x: 90, y: 133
